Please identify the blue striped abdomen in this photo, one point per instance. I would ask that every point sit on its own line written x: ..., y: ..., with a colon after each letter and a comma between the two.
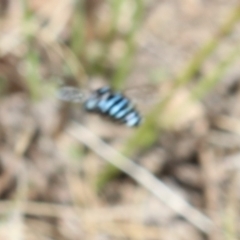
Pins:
x: 113, y: 105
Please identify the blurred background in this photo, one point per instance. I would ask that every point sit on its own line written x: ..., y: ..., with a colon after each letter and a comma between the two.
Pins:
x: 179, y: 62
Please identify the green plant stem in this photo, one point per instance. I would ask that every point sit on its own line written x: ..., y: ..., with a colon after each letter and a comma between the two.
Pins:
x: 207, y: 83
x: 208, y: 48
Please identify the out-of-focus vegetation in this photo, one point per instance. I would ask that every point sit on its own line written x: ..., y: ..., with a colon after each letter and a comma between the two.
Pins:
x: 181, y: 58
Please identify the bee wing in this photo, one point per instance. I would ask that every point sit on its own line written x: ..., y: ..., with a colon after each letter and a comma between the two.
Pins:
x: 71, y: 94
x: 144, y: 97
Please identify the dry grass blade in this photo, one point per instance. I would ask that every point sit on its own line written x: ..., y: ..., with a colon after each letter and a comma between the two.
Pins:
x: 227, y: 123
x: 39, y: 209
x: 142, y: 176
x: 211, y: 188
x: 232, y: 207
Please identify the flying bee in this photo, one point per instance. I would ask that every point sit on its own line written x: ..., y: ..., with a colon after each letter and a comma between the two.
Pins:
x: 106, y: 102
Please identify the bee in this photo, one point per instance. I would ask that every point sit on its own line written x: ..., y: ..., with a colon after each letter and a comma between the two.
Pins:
x: 106, y: 102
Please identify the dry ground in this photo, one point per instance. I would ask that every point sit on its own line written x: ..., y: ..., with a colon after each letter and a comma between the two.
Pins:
x: 48, y: 177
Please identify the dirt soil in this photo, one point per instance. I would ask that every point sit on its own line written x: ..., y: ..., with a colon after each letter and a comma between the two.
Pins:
x: 48, y: 178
